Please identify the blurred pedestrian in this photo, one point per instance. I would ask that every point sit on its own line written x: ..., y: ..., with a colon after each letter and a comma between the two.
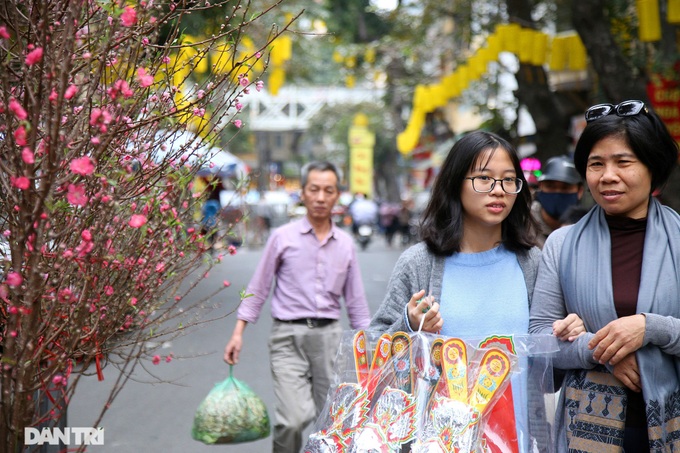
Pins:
x: 559, y: 187
x: 477, y: 226
x: 618, y: 268
x: 311, y: 264
x: 263, y: 220
x: 364, y: 211
x: 211, y: 209
x: 389, y: 219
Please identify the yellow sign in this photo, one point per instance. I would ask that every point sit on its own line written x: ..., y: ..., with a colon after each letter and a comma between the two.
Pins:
x: 361, y: 143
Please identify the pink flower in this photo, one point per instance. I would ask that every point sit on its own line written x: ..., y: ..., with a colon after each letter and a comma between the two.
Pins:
x: 17, y: 109
x: 86, y: 235
x: 27, y: 156
x: 143, y: 78
x: 3, y: 32
x: 34, y: 56
x: 76, y: 195
x: 20, y: 136
x: 14, y: 279
x: 21, y: 182
x: 243, y: 81
x: 59, y: 380
x: 137, y: 221
x: 168, y: 359
x: 238, y: 123
x: 156, y: 359
x: 82, y: 166
x: 259, y: 85
x: 129, y: 16
x: 226, y: 283
x: 124, y: 88
x: 108, y: 290
x: 70, y: 91
x: 232, y: 250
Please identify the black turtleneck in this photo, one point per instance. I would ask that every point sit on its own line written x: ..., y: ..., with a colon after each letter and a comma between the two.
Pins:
x: 628, y: 240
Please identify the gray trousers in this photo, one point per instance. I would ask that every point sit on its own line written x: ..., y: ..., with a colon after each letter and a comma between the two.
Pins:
x: 302, y: 369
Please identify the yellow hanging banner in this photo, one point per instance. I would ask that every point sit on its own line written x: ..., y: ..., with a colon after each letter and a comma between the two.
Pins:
x: 526, y: 45
x: 540, y: 50
x: 577, y: 53
x: 673, y: 12
x: 648, y: 18
x: 558, y: 54
x: 361, y: 143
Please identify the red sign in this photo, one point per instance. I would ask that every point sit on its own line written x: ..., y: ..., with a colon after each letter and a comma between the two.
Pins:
x: 665, y: 98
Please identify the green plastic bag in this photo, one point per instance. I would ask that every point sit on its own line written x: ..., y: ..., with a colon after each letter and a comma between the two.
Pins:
x: 230, y: 414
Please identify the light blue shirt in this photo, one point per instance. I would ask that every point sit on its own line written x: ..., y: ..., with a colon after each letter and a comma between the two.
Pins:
x: 485, y: 294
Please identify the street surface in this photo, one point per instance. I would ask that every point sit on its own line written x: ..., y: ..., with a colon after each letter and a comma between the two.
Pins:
x: 148, y: 416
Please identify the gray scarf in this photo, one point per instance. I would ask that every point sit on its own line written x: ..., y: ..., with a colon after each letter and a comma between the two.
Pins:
x: 587, y: 284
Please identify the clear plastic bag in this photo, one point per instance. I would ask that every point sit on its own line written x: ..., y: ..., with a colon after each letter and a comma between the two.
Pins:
x: 231, y: 413
x: 421, y: 392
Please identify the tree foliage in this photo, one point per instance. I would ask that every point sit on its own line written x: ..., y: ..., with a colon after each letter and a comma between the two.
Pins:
x: 97, y: 100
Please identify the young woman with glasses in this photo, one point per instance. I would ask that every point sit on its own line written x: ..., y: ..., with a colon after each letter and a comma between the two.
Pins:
x: 473, y: 274
x: 618, y: 268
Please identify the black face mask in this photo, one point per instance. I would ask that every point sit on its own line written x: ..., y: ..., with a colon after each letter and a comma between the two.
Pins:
x: 556, y: 203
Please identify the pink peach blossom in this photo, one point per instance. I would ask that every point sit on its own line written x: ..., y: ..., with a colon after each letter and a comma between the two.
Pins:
x: 137, y: 220
x: 76, y: 195
x: 34, y: 56
x: 143, y: 78
x: 17, y: 109
x: 70, y: 91
x: 20, y: 182
x: 129, y: 16
x: 156, y: 359
x: 3, y: 32
x: 27, y: 156
x: 82, y: 166
x: 14, y: 279
x: 238, y: 123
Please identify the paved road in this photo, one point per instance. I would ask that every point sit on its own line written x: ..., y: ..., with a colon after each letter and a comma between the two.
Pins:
x: 157, y: 417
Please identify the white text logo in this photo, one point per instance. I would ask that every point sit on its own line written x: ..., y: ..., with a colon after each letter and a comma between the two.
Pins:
x: 67, y: 436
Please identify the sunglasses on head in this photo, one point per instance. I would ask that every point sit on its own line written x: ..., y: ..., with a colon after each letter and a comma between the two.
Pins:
x: 626, y: 108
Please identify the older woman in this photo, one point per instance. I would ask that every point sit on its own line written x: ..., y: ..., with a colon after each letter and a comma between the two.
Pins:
x: 618, y: 268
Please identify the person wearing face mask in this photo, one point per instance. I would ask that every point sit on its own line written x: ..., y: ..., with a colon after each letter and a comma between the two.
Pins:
x: 559, y: 188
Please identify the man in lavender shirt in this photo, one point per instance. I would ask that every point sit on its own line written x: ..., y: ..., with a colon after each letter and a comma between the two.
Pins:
x: 314, y: 264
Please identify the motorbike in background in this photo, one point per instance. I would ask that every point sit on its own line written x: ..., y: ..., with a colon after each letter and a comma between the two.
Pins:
x: 364, y: 235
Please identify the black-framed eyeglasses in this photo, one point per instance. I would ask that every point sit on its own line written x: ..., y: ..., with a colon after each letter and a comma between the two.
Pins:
x: 485, y: 184
x: 626, y: 108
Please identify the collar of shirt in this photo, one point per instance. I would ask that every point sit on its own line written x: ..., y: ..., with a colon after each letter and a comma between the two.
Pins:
x: 307, y: 228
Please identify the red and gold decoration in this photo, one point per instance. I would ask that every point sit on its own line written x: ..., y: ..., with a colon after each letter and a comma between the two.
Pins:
x: 431, y: 393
